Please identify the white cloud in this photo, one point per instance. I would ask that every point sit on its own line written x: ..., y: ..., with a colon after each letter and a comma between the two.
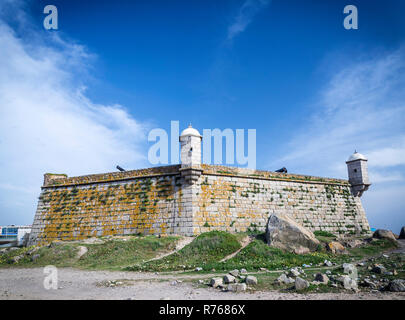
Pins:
x: 246, y: 13
x: 362, y: 107
x: 47, y: 124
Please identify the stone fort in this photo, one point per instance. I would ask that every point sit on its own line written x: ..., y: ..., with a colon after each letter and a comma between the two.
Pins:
x: 192, y: 198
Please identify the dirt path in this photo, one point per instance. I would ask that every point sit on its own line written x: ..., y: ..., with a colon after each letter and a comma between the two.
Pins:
x: 245, y: 241
x: 179, y: 245
x: 18, y: 283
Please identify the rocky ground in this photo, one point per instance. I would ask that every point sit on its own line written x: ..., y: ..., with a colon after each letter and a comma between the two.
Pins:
x: 378, y: 273
x: 79, y: 284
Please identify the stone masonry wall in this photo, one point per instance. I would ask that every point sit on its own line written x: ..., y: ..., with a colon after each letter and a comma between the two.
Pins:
x: 145, y: 204
x: 240, y: 199
x: 159, y: 201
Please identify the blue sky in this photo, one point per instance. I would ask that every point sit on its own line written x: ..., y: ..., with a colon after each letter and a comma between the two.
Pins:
x: 83, y: 98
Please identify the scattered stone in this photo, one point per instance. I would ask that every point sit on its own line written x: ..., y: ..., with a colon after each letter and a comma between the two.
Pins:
x: 243, y: 271
x: 35, y: 257
x: 284, y: 279
x: 216, y: 282
x: 328, y: 263
x: 348, y: 282
x: 82, y: 250
x: 234, y: 273
x: 285, y: 233
x: 33, y: 250
x: 201, y: 281
x: 251, y: 280
x: 306, y: 265
x: 237, y: 287
x: 395, y: 272
x: 402, y: 233
x: 17, y: 258
x: 229, y: 278
x: 323, y: 278
x: 368, y: 283
x: 354, y: 243
x: 301, y: 284
x: 263, y: 269
x: 328, y: 272
x: 379, y: 269
x: 397, y: 285
x: 384, y: 234
x: 386, y: 256
x: 198, y: 269
x: 350, y: 270
x: 294, y: 273
x: 335, y: 247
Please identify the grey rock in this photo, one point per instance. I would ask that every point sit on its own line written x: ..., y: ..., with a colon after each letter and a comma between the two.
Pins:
x: 237, y: 287
x: 368, y: 283
x: 198, y: 269
x: 384, y: 234
x: 350, y: 270
x: 229, y: 278
x: 348, y: 282
x: 285, y: 233
x: 294, y: 273
x: 397, y: 285
x: 81, y: 251
x: 216, y: 282
x: 243, y: 271
x: 284, y: 279
x: 379, y: 269
x: 251, y: 280
x: 323, y: 278
x: 35, y: 257
x: 328, y: 263
x: 301, y: 284
x: 234, y: 273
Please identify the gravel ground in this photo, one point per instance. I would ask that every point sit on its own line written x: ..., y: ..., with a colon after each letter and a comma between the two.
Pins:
x: 17, y: 283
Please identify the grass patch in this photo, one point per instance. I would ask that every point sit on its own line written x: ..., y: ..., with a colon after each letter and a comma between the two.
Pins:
x: 207, y: 248
x: 259, y: 255
x: 113, y: 254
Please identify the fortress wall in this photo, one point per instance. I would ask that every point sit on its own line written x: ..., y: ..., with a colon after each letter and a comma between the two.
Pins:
x: 240, y: 199
x: 159, y: 201
x: 144, y: 204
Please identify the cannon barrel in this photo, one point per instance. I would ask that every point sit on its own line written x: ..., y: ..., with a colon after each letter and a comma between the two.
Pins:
x: 283, y: 170
x: 120, y: 169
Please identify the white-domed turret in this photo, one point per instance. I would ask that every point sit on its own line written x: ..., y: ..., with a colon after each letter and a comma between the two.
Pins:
x: 358, y: 173
x: 356, y: 156
x: 190, y: 131
x: 190, y: 147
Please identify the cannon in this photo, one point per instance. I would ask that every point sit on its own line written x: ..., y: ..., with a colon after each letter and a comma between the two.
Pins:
x: 282, y: 170
x: 120, y: 169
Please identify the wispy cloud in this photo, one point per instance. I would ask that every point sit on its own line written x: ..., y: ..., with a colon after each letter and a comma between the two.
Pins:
x: 362, y: 107
x: 245, y: 15
x: 48, y: 124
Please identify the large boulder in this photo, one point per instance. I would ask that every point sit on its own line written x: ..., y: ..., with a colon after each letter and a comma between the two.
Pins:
x: 384, y: 234
x: 402, y: 234
x: 285, y: 233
